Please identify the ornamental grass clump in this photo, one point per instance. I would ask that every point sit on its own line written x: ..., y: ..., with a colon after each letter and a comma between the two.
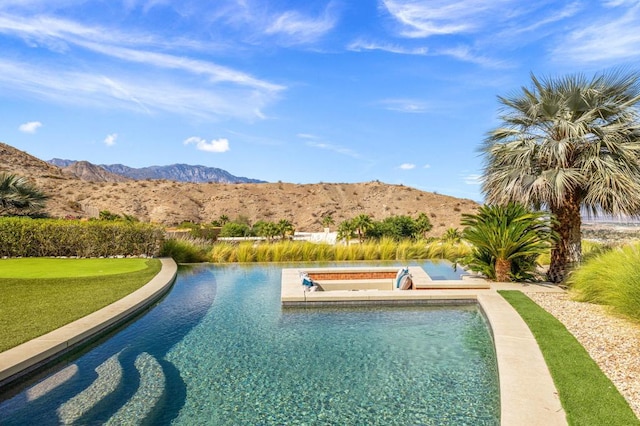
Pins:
x: 612, y: 279
x: 185, y: 250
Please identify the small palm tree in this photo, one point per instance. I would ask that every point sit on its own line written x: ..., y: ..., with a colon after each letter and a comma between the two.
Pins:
x: 506, y: 240
x: 284, y: 228
x: 362, y: 223
x: 18, y: 196
x: 567, y: 145
x: 452, y: 235
x: 327, y: 220
x: 346, y: 230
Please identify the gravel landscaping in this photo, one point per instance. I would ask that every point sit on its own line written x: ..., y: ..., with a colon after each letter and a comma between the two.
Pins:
x: 614, y: 343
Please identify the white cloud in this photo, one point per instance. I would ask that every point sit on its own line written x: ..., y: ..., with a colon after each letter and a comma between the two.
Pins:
x: 466, y: 54
x: 335, y: 148
x: 360, y: 45
x: 30, y: 127
x: 300, y: 29
x: 404, y: 105
x: 110, y: 140
x: 407, y: 166
x: 133, y: 92
x: 609, y: 38
x: 472, y: 179
x: 307, y: 136
x: 180, y: 84
x: 440, y: 17
x: 426, y: 166
x: 216, y: 145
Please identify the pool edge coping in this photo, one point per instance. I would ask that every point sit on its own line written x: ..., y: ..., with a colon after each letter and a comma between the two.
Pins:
x: 528, y: 394
x: 26, y: 357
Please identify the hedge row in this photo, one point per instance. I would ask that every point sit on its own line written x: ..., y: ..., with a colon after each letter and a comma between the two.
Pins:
x: 26, y: 237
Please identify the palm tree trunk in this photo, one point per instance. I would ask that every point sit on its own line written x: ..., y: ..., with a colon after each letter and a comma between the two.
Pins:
x: 567, y: 251
x: 503, y: 268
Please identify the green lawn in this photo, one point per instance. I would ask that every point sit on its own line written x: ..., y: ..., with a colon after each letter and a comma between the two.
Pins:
x: 39, y: 295
x: 587, y: 394
x: 39, y: 267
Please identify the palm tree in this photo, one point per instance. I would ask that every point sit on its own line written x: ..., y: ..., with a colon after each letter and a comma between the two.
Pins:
x: 284, y: 228
x: 17, y: 195
x: 362, y: 223
x: 565, y: 145
x: 327, y: 220
x: 452, y: 235
x: 346, y: 230
x: 506, y: 239
x: 423, y: 224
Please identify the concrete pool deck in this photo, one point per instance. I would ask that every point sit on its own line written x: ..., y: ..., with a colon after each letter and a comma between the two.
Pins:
x: 22, y: 359
x: 528, y: 395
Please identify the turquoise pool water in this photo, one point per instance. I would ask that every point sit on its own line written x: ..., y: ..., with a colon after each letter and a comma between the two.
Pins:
x: 219, y: 349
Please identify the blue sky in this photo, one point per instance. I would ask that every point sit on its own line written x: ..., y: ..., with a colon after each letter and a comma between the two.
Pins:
x: 402, y: 91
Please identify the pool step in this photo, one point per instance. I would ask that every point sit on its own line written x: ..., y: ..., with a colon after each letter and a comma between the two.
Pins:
x: 152, y: 385
x: 38, y: 390
x: 110, y: 374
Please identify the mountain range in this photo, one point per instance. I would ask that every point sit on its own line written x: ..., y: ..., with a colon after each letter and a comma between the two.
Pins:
x: 175, y: 172
x: 169, y: 202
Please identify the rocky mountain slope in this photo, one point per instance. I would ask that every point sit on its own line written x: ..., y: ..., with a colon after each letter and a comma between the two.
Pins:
x: 176, y: 172
x: 170, y: 202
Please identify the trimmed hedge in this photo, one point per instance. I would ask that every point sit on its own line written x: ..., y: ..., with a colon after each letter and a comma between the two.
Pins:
x: 26, y: 237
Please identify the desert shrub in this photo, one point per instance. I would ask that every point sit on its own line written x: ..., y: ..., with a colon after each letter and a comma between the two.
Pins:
x: 611, y: 278
x: 235, y: 229
x: 28, y: 237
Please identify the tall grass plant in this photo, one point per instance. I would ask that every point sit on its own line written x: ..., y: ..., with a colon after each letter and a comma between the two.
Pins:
x: 611, y: 278
x: 190, y: 250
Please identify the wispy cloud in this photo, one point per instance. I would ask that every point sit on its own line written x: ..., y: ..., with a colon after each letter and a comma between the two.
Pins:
x: 135, y: 93
x: 216, y: 145
x: 407, y: 166
x: 412, y: 106
x: 426, y: 166
x: 472, y: 179
x: 30, y: 127
x: 421, y: 19
x: 604, y: 39
x: 335, y: 148
x: 297, y: 28
x: 361, y: 45
x: 180, y: 84
x: 467, y: 54
x: 110, y: 140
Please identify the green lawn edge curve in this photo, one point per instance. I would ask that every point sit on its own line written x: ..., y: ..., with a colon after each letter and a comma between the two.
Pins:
x: 586, y: 393
x: 45, y: 267
x: 31, y: 307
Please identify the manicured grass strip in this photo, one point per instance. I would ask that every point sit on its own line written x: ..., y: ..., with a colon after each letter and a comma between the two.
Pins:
x: 587, y: 395
x: 45, y: 267
x: 32, y: 307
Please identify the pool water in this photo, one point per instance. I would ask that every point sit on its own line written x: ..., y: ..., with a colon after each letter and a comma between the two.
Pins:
x: 219, y: 350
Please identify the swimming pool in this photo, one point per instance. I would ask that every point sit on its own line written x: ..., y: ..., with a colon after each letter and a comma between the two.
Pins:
x: 219, y: 349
